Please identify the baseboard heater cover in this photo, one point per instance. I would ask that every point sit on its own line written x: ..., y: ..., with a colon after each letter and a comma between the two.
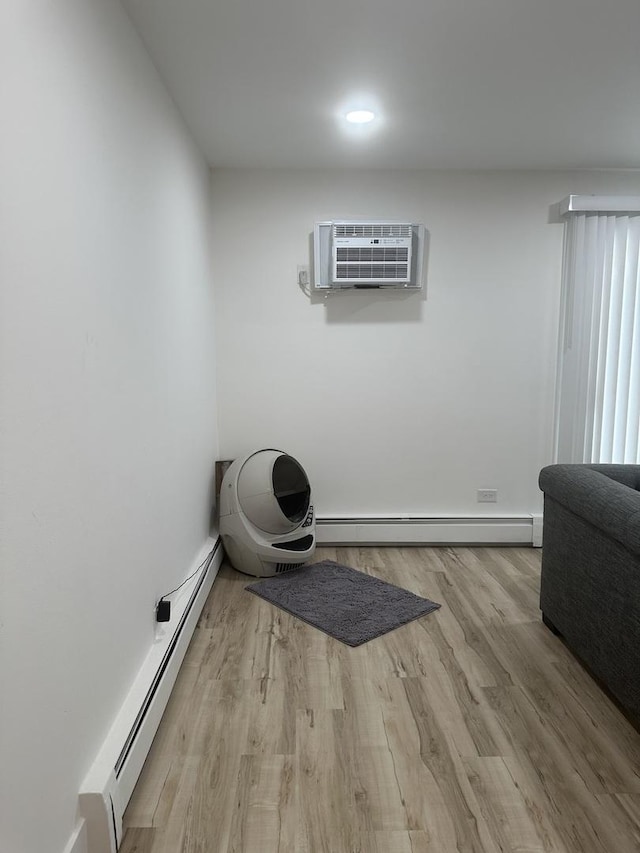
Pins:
x: 78, y: 841
x: 428, y: 530
x: 109, y: 784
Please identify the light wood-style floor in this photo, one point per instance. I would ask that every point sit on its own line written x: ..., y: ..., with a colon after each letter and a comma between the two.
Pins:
x: 472, y: 729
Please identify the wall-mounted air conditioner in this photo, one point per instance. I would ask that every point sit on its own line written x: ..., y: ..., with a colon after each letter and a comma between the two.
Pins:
x: 368, y: 254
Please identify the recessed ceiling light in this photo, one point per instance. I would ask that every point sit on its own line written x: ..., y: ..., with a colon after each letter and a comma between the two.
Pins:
x: 360, y: 116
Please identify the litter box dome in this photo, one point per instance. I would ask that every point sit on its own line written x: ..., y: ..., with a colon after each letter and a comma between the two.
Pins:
x: 267, y: 522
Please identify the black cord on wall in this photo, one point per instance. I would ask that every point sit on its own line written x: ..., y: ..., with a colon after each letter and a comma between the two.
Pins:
x: 163, y: 607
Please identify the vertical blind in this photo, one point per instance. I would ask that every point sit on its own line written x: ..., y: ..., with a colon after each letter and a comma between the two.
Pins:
x: 598, y: 400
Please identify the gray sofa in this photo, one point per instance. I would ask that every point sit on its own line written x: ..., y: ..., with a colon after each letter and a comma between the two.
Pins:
x: 590, y: 585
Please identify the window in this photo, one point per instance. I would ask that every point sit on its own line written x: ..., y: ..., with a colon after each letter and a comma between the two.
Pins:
x: 598, y: 391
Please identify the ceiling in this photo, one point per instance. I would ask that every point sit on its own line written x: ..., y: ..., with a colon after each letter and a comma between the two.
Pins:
x: 457, y: 84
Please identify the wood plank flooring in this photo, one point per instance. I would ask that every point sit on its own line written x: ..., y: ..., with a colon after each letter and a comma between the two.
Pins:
x: 471, y: 730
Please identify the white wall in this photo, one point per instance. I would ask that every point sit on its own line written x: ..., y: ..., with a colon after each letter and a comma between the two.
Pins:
x: 108, y: 418
x: 396, y: 403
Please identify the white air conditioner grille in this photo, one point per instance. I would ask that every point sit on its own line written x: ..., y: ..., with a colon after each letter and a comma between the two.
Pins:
x: 368, y: 253
x: 371, y: 229
x: 377, y: 255
x: 372, y: 272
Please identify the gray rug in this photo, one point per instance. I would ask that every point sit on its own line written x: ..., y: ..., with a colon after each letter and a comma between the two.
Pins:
x: 346, y: 604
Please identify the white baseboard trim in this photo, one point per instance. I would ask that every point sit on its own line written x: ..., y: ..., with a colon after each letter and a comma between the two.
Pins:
x: 537, y: 519
x: 482, y: 530
x: 78, y: 841
x: 109, y: 784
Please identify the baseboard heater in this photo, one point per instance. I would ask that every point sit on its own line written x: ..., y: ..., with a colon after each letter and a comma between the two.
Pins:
x: 109, y: 784
x: 430, y: 530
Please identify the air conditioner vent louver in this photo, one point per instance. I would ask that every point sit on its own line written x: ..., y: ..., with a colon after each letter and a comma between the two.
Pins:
x: 360, y: 254
x: 371, y: 229
x: 371, y: 272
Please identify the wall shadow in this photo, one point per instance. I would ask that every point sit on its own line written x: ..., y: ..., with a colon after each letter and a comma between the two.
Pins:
x: 373, y: 306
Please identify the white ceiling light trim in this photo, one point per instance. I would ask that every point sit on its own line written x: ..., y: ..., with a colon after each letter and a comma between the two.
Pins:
x: 360, y: 116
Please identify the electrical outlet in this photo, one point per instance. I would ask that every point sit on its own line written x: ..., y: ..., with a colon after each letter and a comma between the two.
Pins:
x: 303, y: 276
x: 487, y: 496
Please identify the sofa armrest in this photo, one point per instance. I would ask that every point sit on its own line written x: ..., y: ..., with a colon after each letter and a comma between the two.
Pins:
x: 595, y: 493
x: 628, y: 475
